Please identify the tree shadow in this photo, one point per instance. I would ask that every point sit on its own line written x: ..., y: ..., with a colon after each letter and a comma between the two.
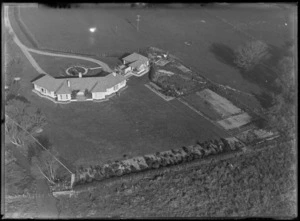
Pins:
x: 223, y: 53
x: 263, y: 76
x: 265, y: 99
x: 277, y: 53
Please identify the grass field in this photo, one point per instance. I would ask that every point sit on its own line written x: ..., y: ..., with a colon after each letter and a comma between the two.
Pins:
x: 136, y: 123
x: 212, y: 41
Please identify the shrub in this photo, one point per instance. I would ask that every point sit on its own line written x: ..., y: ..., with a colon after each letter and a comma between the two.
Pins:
x: 155, y: 165
x: 143, y: 167
x: 87, y: 93
x: 119, y: 172
x: 133, y: 169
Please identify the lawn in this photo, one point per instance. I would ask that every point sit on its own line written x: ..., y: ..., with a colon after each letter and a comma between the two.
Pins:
x: 136, y: 123
x: 212, y: 40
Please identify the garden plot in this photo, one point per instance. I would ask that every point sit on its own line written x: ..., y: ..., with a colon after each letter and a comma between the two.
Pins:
x: 168, y: 73
x: 255, y: 135
x: 220, y: 104
x: 183, y: 68
x: 235, y: 121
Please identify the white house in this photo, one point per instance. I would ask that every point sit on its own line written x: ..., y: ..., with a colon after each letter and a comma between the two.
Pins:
x: 135, y: 64
x: 70, y: 89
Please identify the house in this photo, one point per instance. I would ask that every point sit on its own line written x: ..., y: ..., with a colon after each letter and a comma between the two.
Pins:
x: 135, y: 64
x: 81, y: 88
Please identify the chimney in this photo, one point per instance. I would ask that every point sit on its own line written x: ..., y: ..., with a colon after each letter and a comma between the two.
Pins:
x: 80, y: 75
x: 68, y: 82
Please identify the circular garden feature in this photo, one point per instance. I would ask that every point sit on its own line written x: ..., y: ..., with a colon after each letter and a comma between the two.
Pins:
x: 75, y: 70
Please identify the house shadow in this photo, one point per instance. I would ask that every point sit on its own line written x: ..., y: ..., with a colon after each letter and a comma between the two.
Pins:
x: 223, y: 53
x: 100, y: 74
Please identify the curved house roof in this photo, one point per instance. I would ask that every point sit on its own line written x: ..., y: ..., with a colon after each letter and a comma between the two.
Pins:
x: 67, y: 85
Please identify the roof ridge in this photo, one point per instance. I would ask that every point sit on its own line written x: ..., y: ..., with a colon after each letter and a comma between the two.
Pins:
x: 94, y: 85
x: 60, y: 86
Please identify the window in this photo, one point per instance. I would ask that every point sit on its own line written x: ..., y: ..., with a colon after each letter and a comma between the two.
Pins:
x: 43, y: 90
x: 116, y: 87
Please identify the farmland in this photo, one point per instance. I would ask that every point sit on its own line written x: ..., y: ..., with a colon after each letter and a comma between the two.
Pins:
x: 138, y: 122
x: 165, y: 28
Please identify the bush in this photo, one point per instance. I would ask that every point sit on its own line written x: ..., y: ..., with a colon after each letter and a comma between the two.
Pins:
x: 87, y: 93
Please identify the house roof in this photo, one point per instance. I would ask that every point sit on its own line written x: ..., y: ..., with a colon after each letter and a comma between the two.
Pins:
x: 48, y: 82
x: 135, y: 57
x: 109, y: 81
x: 93, y: 84
x: 136, y: 64
x: 63, y: 89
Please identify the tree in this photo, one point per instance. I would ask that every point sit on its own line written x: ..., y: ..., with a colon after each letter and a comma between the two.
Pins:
x: 282, y: 114
x: 28, y: 117
x: 153, y: 73
x: 46, y: 165
x: 250, y: 54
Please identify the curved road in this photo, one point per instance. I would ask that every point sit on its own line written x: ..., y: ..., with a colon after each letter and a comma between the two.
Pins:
x: 26, y: 50
x: 104, y: 66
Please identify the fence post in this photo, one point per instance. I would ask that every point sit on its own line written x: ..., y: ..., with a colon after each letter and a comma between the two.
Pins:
x: 72, y: 180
